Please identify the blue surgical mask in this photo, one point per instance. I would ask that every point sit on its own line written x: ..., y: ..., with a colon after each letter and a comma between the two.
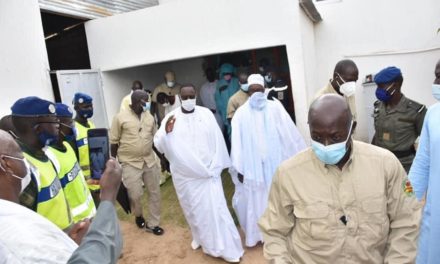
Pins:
x: 71, y: 137
x: 258, y: 101
x: 146, y: 107
x: 331, y: 154
x: 86, y: 113
x: 244, y: 87
x: 384, y: 95
x: 47, y: 139
x: 436, y: 91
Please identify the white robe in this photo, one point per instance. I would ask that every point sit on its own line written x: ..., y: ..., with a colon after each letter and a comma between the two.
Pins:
x: 197, y: 155
x: 260, y: 141
x: 27, y: 237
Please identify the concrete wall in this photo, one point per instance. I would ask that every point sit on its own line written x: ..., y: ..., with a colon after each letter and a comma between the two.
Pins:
x: 376, y: 34
x: 24, y: 67
x: 193, y: 28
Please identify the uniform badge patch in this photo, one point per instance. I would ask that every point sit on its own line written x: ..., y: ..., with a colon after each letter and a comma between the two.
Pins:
x: 407, y: 188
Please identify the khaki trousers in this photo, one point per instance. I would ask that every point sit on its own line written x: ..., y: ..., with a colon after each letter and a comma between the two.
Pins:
x: 132, y: 178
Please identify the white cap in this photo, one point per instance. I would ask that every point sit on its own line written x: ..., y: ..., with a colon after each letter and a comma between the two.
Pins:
x: 256, y: 79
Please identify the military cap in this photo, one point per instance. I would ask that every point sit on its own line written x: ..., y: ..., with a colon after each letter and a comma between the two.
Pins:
x: 32, y: 106
x: 80, y: 98
x: 63, y: 110
x: 387, y: 75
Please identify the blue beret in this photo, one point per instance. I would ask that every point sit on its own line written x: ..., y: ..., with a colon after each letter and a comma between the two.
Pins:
x: 80, y: 98
x: 387, y: 75
x: 32, y: 106
x: 63, y: 110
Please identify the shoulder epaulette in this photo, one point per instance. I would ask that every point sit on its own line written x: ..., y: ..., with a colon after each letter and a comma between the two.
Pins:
x: 416, y: 106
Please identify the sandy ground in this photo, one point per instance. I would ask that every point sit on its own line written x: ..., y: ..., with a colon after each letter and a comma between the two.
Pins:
x: 173, y: 247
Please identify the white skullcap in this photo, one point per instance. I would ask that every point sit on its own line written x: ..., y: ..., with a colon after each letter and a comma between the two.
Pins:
x: 256, y: 79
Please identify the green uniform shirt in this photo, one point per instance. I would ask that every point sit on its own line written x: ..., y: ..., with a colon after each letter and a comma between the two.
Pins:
x: 397, y: 128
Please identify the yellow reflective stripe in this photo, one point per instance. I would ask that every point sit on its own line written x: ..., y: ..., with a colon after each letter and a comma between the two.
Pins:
x: 94, y: 187
x: 83, y: 152
x: 75, y: 188
x: 83, y: 208
x: 55, y: 209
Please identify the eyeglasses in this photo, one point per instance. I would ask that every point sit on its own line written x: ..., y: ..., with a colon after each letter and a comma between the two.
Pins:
x: 66, y: 125
x: 56, y: 123
x: 11, y: 157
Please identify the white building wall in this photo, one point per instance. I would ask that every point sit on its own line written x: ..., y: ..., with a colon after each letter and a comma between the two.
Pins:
x: 24, y: 66
x: 193, y: 28
x: 377, y: 34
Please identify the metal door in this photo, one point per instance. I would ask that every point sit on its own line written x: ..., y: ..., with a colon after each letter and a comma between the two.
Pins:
x: 88, y: 82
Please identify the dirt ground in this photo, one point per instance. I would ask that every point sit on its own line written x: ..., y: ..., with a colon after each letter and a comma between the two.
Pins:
x: 171, y: 248
x: 174, y: 247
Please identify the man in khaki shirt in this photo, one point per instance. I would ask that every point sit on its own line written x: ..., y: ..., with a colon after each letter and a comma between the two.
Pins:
x: 131, y: 139
x: 126, y: 101
x: 169, y: 87
x: 240, y: 97
x: 343, y: 83
x: 340, y: 201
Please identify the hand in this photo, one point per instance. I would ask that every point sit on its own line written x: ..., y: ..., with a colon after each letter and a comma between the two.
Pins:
x: 79, y: 230
x: 111, y: 180
x: 169, y: 126
x: 240, y: 177
x: 92, y: 182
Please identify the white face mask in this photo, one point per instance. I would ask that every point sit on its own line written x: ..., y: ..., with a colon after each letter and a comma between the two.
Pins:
x: 189, y: 104
x: 258, y: 101
x: 348, y: 89
x: 27, y: 178
x: 268, y: 78
x: 170, y: 84
x: 165, y: 104
x: 436, y: 91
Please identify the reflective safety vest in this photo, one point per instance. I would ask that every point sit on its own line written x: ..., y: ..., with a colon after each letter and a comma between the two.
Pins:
x: 75, y: 187
x: 83, y: 151
x: 51, y: 202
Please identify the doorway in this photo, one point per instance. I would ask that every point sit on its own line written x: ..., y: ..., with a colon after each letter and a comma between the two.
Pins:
x: 259, y: 61
x: 117, y: 83
x: 66, y: 45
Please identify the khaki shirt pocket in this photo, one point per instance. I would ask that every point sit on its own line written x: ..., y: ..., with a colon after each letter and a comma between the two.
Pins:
x: 312, y: 228
x: 373, y: 222
x: 146, y: 131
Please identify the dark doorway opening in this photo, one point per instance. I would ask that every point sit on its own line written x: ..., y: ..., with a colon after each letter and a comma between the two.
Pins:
x: 273, y: 58
x: 66, y: 45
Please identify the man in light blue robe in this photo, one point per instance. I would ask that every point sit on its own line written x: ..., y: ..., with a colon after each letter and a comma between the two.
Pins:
x: 227, y: 86
x: 424, y: 176
x: 263, y: 136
